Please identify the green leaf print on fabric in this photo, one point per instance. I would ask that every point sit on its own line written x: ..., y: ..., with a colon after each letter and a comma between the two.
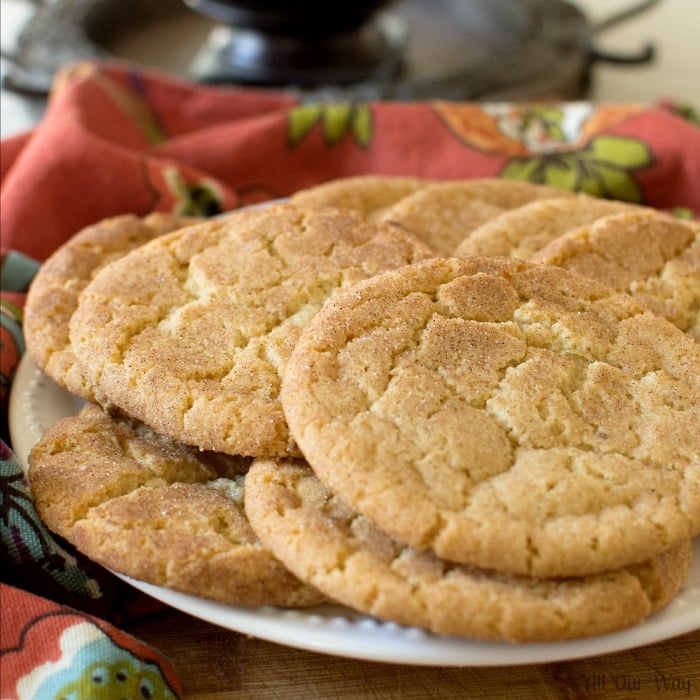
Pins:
x: 603, y: 168
x: 683, y: 213
x: 336, y: 120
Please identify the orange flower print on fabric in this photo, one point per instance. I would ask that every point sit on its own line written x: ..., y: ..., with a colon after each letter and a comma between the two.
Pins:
x: 554, y: 144
x: 336, y: 120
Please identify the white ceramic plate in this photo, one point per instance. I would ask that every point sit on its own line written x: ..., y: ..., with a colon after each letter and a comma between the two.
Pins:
x: 36, y: 402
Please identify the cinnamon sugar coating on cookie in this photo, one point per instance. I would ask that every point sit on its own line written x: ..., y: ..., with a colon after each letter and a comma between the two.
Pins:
x: 190, y: 334
x: 650, y: 255
x: 507, y: 415
x: 326, y: 543
x: 371, y: 195
x: 157, y: 510
x: 524, y: 230
x: 446, y: 213
x: 53, y: 294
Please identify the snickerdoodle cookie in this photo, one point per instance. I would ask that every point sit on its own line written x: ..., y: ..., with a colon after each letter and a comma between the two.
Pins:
x: 521, y: 232
x: 446, y: 213
x: 508, y: 415
x: 53, y: 294
x: 156, y: 510
x: 326, y: 543
x: 368, y: 194
x: 650, y: 255
x: 190, y: 333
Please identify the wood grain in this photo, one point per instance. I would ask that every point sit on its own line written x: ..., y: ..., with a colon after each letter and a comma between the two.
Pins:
x: 216, y: 664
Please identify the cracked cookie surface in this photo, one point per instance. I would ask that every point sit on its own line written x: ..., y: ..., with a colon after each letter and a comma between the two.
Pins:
x: 368, y: 194
x: 53, y: 294
x: 327, y: 544
x: 511, y: 416
x: 521, y: 232
x: 648, y: 254
x: 157, y: 510
x: 446, y: 213
x: 190, y: 333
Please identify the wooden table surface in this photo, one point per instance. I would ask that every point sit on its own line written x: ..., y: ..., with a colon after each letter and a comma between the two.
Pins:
x: 216, y: 664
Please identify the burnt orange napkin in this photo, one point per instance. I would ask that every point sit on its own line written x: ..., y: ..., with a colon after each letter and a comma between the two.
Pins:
x: 120, y: 139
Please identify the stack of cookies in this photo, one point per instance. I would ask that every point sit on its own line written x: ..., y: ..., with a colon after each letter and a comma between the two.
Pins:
x: 468, y: 406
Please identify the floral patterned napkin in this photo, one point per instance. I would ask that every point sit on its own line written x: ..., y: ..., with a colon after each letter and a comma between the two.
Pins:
x: 122, y: 139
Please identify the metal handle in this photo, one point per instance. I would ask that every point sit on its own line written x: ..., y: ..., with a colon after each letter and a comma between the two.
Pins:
x: 645, y: 54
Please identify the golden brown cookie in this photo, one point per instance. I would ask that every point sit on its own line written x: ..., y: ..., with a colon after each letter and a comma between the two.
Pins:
x: 648, y: 254
x: 445, y: 213
x: 507, y: 415
x: 190, y: 333
x: 327, y: 544
x: 368, y: 194
x: 156, y: 510
x: 521, y: 232
x: 53, y: 294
